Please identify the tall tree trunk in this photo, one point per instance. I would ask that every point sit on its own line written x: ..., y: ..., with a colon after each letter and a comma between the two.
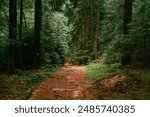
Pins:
x: 97, y: 35
x: 91, y: 21
x: 89, y: 27
x: 126, y: 57
x: 84, y: 36
x: 24, y: 18
x: 127, y: 15
x: 20, y: 34
x: 12, y: 33
x: 81, y: 38
x: 37, y: 34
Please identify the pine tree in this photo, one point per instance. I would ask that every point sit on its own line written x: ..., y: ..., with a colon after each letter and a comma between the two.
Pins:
x: 126, y: 57
x: 12, y: 34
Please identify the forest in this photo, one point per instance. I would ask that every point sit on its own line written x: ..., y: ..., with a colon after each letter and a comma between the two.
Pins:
x: 74, y: 49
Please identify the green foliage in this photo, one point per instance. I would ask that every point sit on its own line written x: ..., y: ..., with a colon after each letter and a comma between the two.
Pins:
x: 69, y: 28
x: 56, y: 5
x: 112, y: 40
x: 140, y: 33
x: 78, y: 57
x: 97, y: 71
x: 24, y: 50
x: 32, y: 79
x: 55, y: 37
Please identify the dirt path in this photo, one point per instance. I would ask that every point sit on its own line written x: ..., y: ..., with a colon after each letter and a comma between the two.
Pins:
x: 66, y: 85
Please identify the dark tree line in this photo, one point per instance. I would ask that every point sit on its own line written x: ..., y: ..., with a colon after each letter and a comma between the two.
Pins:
x: 29, y: 46
x: 13, y: 35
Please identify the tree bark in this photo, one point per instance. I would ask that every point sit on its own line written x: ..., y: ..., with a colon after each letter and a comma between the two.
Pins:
x: 89, y: 27
x: 20, y: 34
x: 97, y: 35
x: 127, y: 15
x: 12, y: 34
x: 37, y: 34
x: 126, y: 57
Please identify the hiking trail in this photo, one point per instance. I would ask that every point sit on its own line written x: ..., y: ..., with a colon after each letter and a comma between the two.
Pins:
x: 68, y: 84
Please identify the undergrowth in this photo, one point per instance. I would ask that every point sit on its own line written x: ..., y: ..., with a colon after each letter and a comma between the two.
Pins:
x: 98, y: 71
x: 137, y: 87
x: 142, y: 75
x: 21, y: 85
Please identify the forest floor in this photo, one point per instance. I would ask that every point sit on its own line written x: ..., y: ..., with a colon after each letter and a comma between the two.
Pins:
x: 71, y: 84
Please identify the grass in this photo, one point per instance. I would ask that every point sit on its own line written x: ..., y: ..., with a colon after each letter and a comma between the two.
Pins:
x: 21, y: 85
x: 97, y: 71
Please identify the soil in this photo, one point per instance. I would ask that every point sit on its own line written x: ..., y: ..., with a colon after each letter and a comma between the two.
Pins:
x: 68, y: 84
x: 110, y: 82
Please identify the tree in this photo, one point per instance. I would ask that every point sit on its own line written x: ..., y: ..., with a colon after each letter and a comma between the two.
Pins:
x: 127, y: 15
x: 97, y: 34
x: 37, y: 34
x: 20, y: 34
x: 126, y: 57
x: 140, y: 33
x: 12, y: 33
